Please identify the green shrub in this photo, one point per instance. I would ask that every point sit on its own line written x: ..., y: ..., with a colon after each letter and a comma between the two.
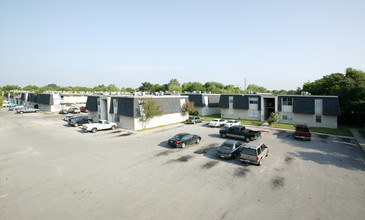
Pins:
x: 274, y: 117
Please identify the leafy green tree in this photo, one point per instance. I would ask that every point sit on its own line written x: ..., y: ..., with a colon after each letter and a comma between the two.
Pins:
x: 30, y: 88
x: 174, y: 85
x: 188, y: 107
x: 256, y: 88
x: 274, y: 118
x: 193, y: 86
x: 349, y: 87
x: 1, y: 101
x: 51, y: 87
x: 151, y: 109
x: 146, y: 87
x: 11, y: 87
x: 112, y: 88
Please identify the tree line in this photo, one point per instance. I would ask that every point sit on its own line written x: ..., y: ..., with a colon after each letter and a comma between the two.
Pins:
x: 172, y: 86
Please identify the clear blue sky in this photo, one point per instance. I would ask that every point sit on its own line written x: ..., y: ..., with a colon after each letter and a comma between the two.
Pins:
x: 275, y: 44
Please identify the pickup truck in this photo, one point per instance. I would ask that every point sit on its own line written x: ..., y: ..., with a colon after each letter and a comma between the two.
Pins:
x: 240, y: 132
x: 101, y: 125
x: 26, y: 110
x: 302, y: 131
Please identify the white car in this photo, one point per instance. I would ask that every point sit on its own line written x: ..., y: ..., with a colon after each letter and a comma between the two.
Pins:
x: 231, y: 123
x: 101, y: 125
x: 217, y: 122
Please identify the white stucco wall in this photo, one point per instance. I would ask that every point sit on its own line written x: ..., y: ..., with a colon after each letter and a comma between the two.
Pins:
x: 45, y: 108
x: 309, y: 119
x: 78, y: 100
x: 131, y: 123
x: 208, y: 110
x: 239, y: 114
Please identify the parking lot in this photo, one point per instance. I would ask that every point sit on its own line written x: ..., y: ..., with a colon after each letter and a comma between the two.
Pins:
x: 49, y: 170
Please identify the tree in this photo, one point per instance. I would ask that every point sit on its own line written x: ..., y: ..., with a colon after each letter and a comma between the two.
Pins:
x: 30, y: 88
x: 188, y: 107
x: 146, y: 87
x: 112, y: 88
x: 349, y: 87
x: 11, y: 87
x: 193, y: 86
x: 174, y: 85
x: 274, y: 118
x: 150, y: 109
x: 256, y: 88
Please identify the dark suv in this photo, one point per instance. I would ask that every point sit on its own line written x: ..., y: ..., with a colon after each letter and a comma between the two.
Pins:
x: 77, y: 121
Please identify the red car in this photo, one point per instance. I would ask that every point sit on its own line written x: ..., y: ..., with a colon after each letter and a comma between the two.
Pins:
x: 83, y: 109
x: 302, y: 131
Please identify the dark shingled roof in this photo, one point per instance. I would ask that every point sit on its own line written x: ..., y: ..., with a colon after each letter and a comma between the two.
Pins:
x: 303, y: 105
x: 213, y: 99
x: 31, y: 97
x: 46, y: 99
x: 239, y: 101
x: 197, y: 99
x: 331, y: 106
x: 92, y: 103
x: 129, y: 106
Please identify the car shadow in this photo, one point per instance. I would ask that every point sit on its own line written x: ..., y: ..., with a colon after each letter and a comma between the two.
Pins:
x: 164, y: 144
x: 211, y: 153
x: 215, y: 136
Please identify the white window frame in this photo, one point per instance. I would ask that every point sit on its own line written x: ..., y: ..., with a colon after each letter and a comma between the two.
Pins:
x: 254, y: 100
x: 287, y: 101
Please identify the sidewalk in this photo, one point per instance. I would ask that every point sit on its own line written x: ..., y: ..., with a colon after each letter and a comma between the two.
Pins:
x: 360, y: 139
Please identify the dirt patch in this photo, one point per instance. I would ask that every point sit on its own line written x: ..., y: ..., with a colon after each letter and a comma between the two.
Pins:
x: 184, y: 158
x: 241, y: 171
x: 163, y: 153
x: 209, y: 164
x: 323, y: 136
x: 278, y: 183
x: 288, y: 159
x: 125, y: 134
x: 348, y: 140
x: 203, y: 149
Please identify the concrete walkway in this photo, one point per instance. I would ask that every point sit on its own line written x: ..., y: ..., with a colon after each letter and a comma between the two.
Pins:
x: 360, y: 139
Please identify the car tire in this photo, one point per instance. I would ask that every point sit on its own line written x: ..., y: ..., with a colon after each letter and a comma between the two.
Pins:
x: 21, y: 112
x: 36, y: 111
x: 223, y: 135
x: 259, y: 164
x: 197, y: 141
x: 113, y: 127
x: 247, y: 139
x: 93, y: 130
x: 77, y: 124
x: 183, y: 145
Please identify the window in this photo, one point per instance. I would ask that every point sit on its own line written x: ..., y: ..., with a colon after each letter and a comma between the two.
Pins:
x: 318, y: 118
x: 287, y: 101
x: 254, y: 100
x: 258, y: 151
x: 116, y: 118
x: 287, y: 115
x: 231, y: 99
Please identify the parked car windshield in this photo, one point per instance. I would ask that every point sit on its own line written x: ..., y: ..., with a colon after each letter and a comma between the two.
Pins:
x: 227, y: 146
x: 215, y: 120
x: 248, y: 151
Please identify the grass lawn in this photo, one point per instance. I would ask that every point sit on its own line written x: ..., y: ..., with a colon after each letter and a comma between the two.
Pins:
x: 208, y: 118
x: 340, y: 130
